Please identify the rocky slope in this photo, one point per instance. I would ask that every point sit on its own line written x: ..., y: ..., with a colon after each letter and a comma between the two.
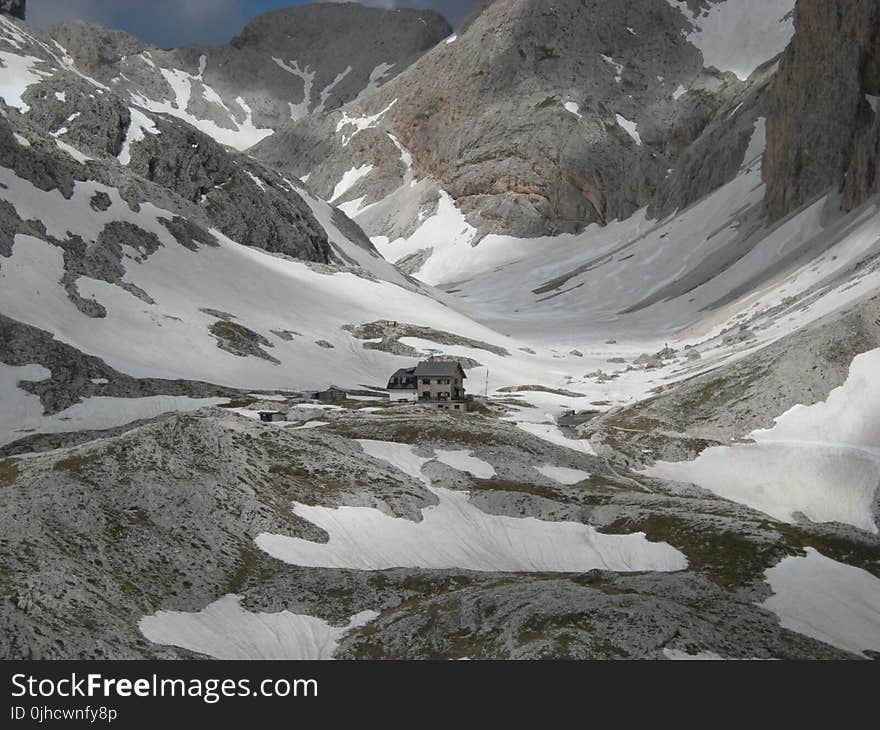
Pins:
x: 822, y: 125
x: 283, y: 65
x: 170, y: 510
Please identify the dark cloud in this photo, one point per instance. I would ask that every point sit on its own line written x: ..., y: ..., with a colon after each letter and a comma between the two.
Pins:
x: 169, y: 23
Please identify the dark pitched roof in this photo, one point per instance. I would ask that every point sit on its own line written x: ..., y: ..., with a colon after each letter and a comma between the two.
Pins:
x: 404, y: 373
x: 439, y: 369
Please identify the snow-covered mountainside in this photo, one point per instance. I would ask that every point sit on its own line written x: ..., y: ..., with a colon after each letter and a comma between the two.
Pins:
x: 653, y: 249
x: 283, y: 66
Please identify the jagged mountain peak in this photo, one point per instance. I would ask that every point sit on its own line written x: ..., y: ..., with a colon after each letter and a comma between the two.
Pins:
x: 284, y: 66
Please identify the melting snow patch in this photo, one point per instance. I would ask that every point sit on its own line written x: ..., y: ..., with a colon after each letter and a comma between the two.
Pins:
x: 618, y: 67
x: 552, y: 433
x: 562, y: 474
x: 73, y: 152
x: 822, y: 460
x: 631, y: 128
x: 349, y: 180
x: 298, y: 111
x: 464, y: 461
x: 572, y: 107
x: 827, y: 600
x: 360, y: 123
x: 17, y: 73
x: 139, y: 124
x: 224, y: 630
x: 456, y: 534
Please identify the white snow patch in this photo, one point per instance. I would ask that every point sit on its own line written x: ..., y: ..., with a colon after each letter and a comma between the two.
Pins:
x: 61, y: 96
x: 618, y: 67
x: 573, y: 107
x: 224, y: 630
x: 552, y: 433
x: 679, y: 92
x: 456, y: 534
x: 827, y: 600
x: 562, y: 474
x: 300, y: 110
x: 73, y: 152
x: 258, y: 181
x: 631, y: 128
x: 360, y: 123
x: 349, y: 180
x: 464, y: 461
x: 139, y: 125
x: 821, y: 460
x: 21, y: 140
x: 452, y: 39
x: 244, y: 135
x: 447, y: 232
x: 17, y: 73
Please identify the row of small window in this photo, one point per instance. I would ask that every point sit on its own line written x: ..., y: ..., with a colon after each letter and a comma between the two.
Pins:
x: 440, y: 381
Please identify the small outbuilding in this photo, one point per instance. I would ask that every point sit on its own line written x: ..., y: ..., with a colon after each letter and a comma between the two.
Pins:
x: 333, y: 394
x: 272, y: 416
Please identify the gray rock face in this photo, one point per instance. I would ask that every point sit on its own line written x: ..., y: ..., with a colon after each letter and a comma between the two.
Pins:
x: 284, y: 65
x: 15, y: 8
x: 822, y: 128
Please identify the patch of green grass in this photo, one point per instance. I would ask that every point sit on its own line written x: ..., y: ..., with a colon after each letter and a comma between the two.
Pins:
x: 289, y: 472
x: 8, y: 472
x: 727, y: 558
x: 547, y: 102
x: 248, y: 559
x: 75, y: 463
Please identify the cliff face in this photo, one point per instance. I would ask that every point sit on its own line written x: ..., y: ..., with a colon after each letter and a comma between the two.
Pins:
x: 822, y: 124
x: 15, y: 8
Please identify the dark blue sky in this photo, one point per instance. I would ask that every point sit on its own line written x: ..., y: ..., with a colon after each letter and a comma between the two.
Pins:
x: 168, y: 23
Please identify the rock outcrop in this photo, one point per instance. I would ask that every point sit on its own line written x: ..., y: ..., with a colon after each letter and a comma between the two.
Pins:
x: 822, y: 126
x: 15, y: 8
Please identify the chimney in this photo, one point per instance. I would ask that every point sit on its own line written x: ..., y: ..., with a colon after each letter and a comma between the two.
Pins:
x: 15, y: 8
